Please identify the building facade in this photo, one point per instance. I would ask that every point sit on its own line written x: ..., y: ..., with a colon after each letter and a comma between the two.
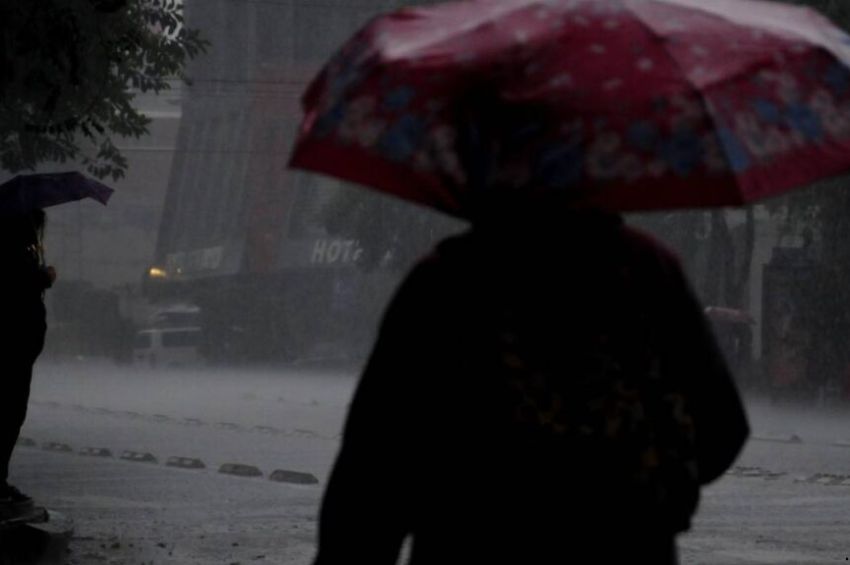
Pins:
x: 242, y: 236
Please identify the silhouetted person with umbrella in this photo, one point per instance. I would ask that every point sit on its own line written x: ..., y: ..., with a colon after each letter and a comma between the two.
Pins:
x: 545, y: 388
x: 543, y: 385
x: 23, y: 279
x: 23, y: 282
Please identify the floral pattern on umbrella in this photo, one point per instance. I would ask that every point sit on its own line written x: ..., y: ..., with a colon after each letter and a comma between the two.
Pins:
x: 649, y: 104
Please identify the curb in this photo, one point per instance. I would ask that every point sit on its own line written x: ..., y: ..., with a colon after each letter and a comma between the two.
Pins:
x: 39, y: 542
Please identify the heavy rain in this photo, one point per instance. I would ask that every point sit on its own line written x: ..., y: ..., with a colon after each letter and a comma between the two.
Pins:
x: 391, y: 281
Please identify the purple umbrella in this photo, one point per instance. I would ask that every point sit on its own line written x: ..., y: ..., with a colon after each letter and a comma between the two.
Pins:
x: 25, y: 193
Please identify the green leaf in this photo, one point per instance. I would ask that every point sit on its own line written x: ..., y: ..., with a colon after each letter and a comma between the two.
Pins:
x: 71, y: 68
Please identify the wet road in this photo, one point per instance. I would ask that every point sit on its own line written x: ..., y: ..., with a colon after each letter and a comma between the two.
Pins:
x: 785, y: 503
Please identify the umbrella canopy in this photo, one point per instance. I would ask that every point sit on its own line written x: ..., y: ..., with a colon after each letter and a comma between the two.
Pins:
x: 25, y: 193
x: 621, y: 104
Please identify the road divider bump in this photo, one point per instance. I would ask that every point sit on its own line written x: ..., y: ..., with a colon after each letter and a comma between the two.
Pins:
x: 227, y: 425
x: 56, y: 446
x: 841, y: 443
x: 138, y: 457
x: 741, y: 471
x: 267, y: 430
x: 755, y: 472
x: 831, y: 479
x: 185, y: 463
x: 193, y: 422
x: 240, y: 470
x: 791, y: 438
x: 294, y: 477
x: 826, y: 479
x: 25, y: 442
x: 96, y: 452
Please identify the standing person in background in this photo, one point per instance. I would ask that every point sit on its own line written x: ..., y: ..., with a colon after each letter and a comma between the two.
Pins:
x: 24, y: 279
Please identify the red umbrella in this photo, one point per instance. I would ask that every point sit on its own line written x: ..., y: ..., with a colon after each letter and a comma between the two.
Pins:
x: 639, y: 104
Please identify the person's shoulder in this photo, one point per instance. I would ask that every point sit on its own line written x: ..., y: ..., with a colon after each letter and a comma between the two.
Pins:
x: 429, y: 288
x: 440, y: 268
x: 447, y: 254
x: 645, y: 245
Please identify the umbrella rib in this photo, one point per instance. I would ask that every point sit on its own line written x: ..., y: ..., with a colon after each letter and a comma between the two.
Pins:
x: 433, y: 41
x: 714, y: 8
x: 699, y: 93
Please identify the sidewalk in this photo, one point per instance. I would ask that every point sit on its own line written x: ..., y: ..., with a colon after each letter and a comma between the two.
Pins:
x: 42, y: 540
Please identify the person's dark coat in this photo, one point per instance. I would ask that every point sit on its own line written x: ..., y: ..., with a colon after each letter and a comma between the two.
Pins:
x: 539, y: 393
x: 23, y: 280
